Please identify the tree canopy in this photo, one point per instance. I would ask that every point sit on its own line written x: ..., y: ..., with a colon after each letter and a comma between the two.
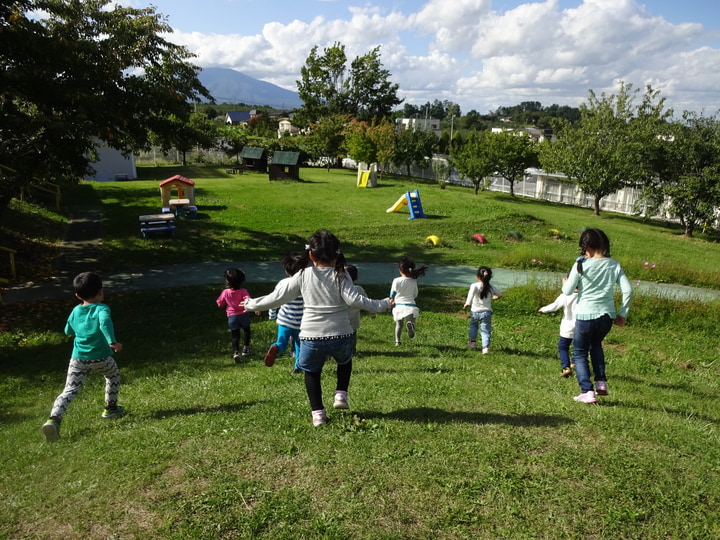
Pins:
x: 76, y: 71
x: 328, y: 86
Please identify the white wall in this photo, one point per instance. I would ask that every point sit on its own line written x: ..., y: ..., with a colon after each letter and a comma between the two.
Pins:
x: 111, y: 165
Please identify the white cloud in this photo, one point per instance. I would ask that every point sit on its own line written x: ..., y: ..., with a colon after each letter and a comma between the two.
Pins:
x: 480, y: 58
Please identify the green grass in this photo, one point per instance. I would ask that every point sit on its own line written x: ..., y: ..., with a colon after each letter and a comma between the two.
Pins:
x: 246, y: 217
x: 440, y: 441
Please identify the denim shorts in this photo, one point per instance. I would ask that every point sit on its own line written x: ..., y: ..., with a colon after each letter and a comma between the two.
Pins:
x: 314, y: 352
x: 236, y: 322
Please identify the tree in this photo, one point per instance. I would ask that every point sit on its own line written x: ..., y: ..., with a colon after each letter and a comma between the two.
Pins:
x: 413, y: 146
x: 511, y: 153
x: 473, y: 161
x: 74, y: 72
x: 326, y: 141
x: 234, y: 139
x: 686, y: 163
x: 328, y: 87
x: 606, y: 151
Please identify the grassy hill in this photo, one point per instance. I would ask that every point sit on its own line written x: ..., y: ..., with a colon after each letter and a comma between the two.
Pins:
x: 440, y: 441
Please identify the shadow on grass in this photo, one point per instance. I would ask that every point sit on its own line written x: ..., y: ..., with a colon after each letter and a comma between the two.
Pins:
x: 440, y: 416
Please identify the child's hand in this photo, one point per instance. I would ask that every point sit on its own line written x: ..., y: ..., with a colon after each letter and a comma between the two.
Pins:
x: 466, y: 306
x: 117, y: 347
x: 258, y: 313
x: 620, y: 320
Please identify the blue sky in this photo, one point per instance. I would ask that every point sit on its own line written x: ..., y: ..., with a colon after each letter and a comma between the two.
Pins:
x: 479, y: 53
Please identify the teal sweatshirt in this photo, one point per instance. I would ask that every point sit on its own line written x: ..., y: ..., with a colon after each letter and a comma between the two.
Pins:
x: 93, y: 330
x: 596, y: 289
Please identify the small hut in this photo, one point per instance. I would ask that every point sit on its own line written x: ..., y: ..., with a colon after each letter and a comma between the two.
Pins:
x: 184, y: 189
x: 254, y: 158
x: 284, y: 166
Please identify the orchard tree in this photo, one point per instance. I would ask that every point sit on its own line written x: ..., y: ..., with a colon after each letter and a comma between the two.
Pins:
x: 326, y: 141
x: 75, y: 71
x: 328, y: 86
x: 473, y: 160
x: 414, y: 147
x: 511, y: 153
x: 607, y: 149
x: 686, y: 163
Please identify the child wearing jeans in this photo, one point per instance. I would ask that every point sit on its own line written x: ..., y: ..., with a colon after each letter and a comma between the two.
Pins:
x: 94, y: 343
x: 232, y: 299
x: 325, y: 329
x: 567, y: 328
x: 403, y: 291
x: 595, y: 276
x: 479, y: 300
x: 288, y: 316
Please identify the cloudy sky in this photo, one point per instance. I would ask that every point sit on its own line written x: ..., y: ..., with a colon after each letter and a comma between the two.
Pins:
x: 479, y: 53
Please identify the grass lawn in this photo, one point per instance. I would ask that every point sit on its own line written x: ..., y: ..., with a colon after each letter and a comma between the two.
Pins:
x: 440, y: 441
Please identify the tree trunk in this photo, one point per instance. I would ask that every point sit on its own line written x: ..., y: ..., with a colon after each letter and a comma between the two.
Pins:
x: 596, y: 208
x: 512, y: 187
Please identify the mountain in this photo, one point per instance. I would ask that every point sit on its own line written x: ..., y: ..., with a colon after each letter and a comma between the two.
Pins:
x: 230, y: 86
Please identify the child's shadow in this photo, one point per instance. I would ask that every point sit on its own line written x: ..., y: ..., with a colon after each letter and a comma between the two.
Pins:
x: 440, y: 416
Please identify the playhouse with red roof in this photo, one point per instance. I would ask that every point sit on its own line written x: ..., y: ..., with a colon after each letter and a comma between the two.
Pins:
x: 184, y: 189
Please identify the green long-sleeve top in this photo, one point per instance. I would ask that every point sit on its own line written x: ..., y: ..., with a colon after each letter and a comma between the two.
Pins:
x: 596, y: 289
x: 93, y: 330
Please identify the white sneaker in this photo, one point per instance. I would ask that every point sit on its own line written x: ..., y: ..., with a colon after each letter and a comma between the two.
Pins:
x: 587, y: 397
x: 320, y: 418
x: 411, y: 329
x: 340, y: 401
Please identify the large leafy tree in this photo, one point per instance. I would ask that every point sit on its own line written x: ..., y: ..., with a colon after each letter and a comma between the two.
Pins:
x: 328, y: 86
x: 607, y: 149
x: 511, y: 153
x: 686, y: 163
x: 326, y: 141
x: 72, y: 72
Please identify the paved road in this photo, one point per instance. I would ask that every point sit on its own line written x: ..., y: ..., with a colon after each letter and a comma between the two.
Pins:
x: 82, y: 245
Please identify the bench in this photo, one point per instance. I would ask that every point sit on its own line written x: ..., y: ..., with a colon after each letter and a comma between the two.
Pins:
x: 157, y: 223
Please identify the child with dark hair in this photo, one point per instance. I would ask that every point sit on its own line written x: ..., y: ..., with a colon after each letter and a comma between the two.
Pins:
x: 288, y: 316
x: 325, y: 329
x: 94, y: 343
x: 232, y: 300
x: 595, y: 276
x: 403, y: 291
x: 354, y: 313
x: 479, y: 300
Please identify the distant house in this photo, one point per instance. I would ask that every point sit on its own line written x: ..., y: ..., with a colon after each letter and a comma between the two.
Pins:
x: 285, y: 126
x: 285, y: 166
x: 254, y: 158
x: 240, y: 118
x: 418, y: 124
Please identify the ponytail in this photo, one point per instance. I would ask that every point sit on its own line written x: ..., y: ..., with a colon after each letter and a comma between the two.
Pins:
x: 484, y: 274
x: 407, y: 267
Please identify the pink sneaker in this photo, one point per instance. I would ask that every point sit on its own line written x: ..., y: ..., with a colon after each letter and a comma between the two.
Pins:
x: 601, y: 388
x: 340, y: 401
x: 472, y: 344
x: 587, y: 397
x: 271, y: 355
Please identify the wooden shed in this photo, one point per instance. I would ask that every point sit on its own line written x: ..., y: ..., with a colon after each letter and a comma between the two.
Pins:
x: 254, y: 158
x: 285, y: 166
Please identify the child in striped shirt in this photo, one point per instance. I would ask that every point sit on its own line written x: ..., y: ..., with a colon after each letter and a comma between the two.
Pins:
x: 288, y: 316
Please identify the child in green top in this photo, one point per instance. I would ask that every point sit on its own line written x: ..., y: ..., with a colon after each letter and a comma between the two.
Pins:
x: 91, y: 326
x: 595, y: 275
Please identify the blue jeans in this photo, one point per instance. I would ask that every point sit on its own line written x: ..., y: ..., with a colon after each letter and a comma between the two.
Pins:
x: 564, y: 351
x: 587, y: 342
x: 482, y: 319
x: 314, y: 352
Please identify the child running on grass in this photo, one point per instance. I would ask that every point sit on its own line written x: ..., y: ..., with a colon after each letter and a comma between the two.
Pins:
x: 288, y: 316
x: 479, y: 300
x: 403, y: 291
x: 595, y: 275
x: 354, y: 313
x: 93, y: 345
x: 325, y: 328
x: 567, y: 328
x: 232, y: 299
